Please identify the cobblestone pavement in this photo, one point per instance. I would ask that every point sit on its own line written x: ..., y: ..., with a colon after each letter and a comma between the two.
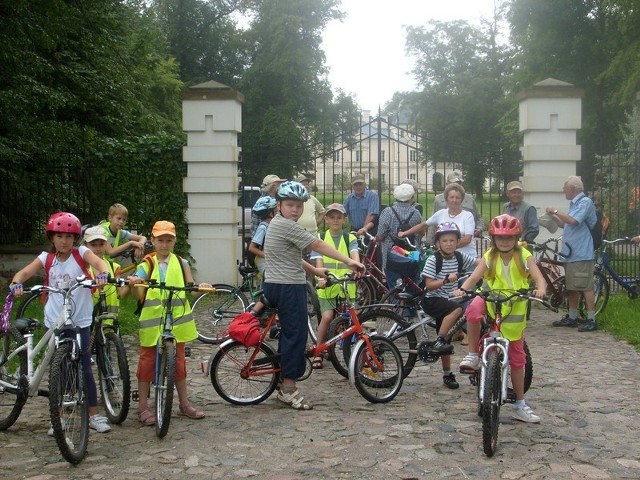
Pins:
x: 585, y: 390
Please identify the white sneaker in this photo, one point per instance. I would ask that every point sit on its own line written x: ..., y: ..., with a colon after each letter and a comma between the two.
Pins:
x: 470, y: 362
x: 50, y: 431
x: 524, y: 414
x: 99, y: 423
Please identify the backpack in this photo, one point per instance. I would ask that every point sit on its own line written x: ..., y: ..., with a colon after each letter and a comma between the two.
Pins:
x: 151, y: 265
x: 440, y: 259
x: 75, y: 253
x: 599, y: 229
x: 403, y: 226
x: 245, y: 328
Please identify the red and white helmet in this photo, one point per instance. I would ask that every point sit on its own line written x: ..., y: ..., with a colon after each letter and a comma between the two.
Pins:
x: 63, y: 222
x: 505, y: 225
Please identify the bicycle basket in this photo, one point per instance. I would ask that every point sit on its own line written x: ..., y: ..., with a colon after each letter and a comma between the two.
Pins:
x: 402, y: 266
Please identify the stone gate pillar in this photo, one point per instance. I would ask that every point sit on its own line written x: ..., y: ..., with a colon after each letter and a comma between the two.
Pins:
x: 211, y: 117
x: 550, y: 115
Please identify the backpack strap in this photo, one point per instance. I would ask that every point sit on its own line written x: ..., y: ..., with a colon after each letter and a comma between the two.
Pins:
x: 440, y: 259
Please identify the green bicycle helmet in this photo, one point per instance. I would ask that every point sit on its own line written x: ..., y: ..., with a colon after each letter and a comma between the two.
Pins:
x: 292, y: 191
x: 263, y: 206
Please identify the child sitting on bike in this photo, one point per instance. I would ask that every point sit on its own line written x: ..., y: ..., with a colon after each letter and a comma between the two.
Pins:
x: 441, y: 272
x: 95, y: 238
x: 285, y: 285
x: 63, y: 231
x: 347, y: 244
x: 506, y: 265
x: 265, y: 210
x: 174, y: 271
x: 120, y: 240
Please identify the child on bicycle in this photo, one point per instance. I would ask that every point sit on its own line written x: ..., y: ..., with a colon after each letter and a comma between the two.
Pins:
x: 95, y: 238
x: 166, y: 267
x: 120, y: 240
x: 265, y: 210
x: 63, y: 231
x: 506, y: 265
x: 347, y: 244
x: 441, y: 272
x: 285, y: 285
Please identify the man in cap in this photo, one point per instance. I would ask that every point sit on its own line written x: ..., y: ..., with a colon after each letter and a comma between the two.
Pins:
x: 523, y: 211
x: 362, y: 206
x: 468, y: 203
x: 269, y: 186
x: 313, y: 210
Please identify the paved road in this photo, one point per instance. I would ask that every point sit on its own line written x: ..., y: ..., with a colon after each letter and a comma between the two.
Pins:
x: 585, y: 390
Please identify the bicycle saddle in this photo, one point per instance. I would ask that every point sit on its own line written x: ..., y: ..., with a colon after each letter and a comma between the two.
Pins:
x: 27, y: 325
x: 244, y: 270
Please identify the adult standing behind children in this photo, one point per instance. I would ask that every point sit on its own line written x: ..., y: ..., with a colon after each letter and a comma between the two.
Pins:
x: 577, y: 251
x: 454, y: 195
x: 401, y: 215
x: 285, y: 285
x: 62, y: 267
x: 362, y: 206
x: 120, y: 240
x: 526, y: 213
x: 269, y: 186
x: 167, y: 267
x: 468, y: 204
x: 346, y: 244
x: 313, y: 210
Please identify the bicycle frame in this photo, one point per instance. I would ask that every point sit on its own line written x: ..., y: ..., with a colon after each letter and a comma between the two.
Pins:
x: 631, y: 286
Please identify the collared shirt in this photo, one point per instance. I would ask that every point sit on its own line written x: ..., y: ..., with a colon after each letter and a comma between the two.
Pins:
x: 358, y: 207
x: 578, y: 236
x: 528, y: 217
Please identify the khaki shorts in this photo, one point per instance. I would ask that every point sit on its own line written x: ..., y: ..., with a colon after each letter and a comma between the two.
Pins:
x: 579, y: 275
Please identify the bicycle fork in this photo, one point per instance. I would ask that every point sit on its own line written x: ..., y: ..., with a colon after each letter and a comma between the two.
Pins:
x: 489, y: 344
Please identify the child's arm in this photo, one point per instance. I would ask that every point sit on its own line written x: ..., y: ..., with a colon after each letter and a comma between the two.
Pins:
x: 324, y: 248
x: 98, y: 264
x: 318, y: 272
x: 115, y: 251
x: 124, y: 290
x: 253, y: 248
x: 473, y: 279
x: 23, y: 275
x: 188, y: 277
x: 541, y: 284
x: 419, y: 228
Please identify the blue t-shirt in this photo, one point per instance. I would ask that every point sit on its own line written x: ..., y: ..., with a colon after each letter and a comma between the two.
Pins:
x: 578, y: 236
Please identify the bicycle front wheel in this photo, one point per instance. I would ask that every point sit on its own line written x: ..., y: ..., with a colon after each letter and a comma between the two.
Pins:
x: 366, y: 291
x: 13, y: 372
x: 376, y: 372
x: 239, y: 383
x: 601, y: 294
x: 214, y: 311
x: 164, y: 387
x: 340, y: 352
x: 491, y: 403
x: 313, y: 312
x: 113, y: 374
x: 68, y: 404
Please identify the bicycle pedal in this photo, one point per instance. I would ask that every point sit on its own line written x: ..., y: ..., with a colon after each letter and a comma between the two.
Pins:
x: 187, y: 350
x: 134, y: 395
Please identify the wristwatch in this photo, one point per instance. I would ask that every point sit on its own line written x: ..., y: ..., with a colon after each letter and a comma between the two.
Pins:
x: 446, y: 279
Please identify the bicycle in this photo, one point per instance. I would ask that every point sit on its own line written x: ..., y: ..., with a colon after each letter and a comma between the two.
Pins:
x: 550, y: 262
x: 60, y: 348
x: 373, y: 285
x: 249, y: 375
x: 492, y: 380
x: 111, y: 357
x: 603, y: 264
x: 213, y: 312
x: 165, y: 365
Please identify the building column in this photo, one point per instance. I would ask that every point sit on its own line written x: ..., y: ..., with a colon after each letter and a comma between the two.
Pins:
x: 550, y: 115
x: 212, y: 119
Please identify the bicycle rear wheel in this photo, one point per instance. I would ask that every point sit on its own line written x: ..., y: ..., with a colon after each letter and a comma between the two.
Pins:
x: 113, y: 375
x: 68, y: 404
x: 166, y: 378
x: 377, y: 385
x: 14, y: 372
x: 340, y: 352
x: 601, y: 294
x: 214, y: 311
x: 491, y: 403
x: 366, y: 291
x: 239, y: 384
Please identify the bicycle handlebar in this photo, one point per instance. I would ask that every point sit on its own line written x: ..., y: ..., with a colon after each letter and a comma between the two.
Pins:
x: 81, y: 281
x: 544, y: 247
x: 187, y: 288
x: 333, y: 279
x: 504, y: 296
x: 617, y: 241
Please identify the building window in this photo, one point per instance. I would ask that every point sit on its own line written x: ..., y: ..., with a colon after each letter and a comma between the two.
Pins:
x: 413, y: 176
x: 358, y: 156
x: 336, y: 156
x: 413, y: 155
x: 382, y: 156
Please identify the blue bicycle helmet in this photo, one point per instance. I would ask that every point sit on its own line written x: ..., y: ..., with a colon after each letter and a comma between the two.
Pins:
x: 448, y: 227
x: 292, y: 191
x: 263, y: 206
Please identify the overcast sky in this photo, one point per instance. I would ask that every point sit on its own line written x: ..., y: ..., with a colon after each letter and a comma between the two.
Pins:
x: 366, y: 51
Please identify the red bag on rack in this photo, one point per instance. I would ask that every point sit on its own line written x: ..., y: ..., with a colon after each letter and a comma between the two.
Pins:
x: 245, y: 328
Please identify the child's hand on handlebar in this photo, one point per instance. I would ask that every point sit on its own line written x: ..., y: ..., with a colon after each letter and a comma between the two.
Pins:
x: 133, y: 279
x: 357, y: 268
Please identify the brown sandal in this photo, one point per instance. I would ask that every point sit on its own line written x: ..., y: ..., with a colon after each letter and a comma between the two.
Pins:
x: 146, y: 418
x: 317, y: 363
x: 190, y: 411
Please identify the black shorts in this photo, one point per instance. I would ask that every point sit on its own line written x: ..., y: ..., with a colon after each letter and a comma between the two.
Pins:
x: 439, y: 307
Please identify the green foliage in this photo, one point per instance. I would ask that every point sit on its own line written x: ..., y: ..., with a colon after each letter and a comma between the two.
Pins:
x: 620, y: 318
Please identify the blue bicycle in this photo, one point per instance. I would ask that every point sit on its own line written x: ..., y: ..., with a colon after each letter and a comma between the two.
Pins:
x: 630, y: 284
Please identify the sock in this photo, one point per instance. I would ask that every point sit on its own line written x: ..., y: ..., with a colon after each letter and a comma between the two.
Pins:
x: 573, y: 313
x: 520, y: 403
x: 445, y: 372
x: 474, y: 354
x: 591, y: 315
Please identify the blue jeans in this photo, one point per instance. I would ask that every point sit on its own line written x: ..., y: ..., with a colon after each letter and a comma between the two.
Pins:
x: 291, y: 302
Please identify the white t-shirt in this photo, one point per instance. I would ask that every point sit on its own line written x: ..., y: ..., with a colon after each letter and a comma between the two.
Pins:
x: 63, y: 274
x: 465, y: 223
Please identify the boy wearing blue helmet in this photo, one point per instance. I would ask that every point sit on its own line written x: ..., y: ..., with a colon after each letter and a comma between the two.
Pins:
x: 285, y: 285
x: 264, y: 209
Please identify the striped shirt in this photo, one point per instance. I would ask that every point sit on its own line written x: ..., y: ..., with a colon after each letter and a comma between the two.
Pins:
x: 449, y: 265
x: 283, y: 247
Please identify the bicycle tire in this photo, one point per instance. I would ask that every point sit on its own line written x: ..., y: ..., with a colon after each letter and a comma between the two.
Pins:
x: 601, y: 292
x: 313, y: 312
x: 406, y: 342
x: 491, y: 403
x: 113, y: 377
x: 339, y: 359
x: 366, y: 291
x: 164, y: 387
x: 376, y: 386
x: 229, y: 381
x: 68, y: 404
x: 214, y: 311
x: 15, y: 373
